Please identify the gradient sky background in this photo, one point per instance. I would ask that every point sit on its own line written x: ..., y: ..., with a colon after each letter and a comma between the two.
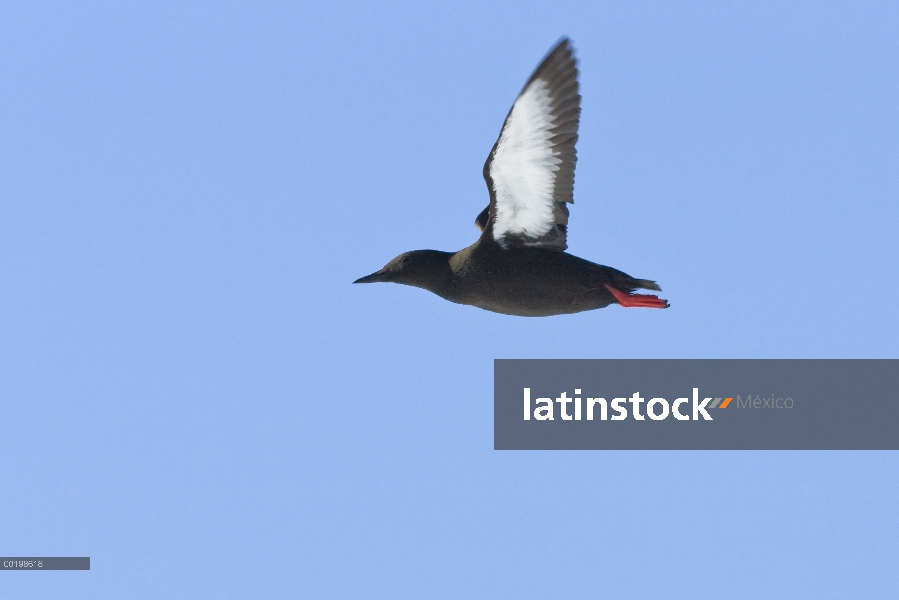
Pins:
x: 193, y: 394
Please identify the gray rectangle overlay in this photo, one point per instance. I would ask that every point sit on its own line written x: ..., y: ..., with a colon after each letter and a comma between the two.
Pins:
x: 45, y: 563
x: 797, y: 404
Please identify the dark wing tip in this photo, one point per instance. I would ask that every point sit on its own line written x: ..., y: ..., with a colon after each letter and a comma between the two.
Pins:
x: 564, y: 42
x: 560, y: 59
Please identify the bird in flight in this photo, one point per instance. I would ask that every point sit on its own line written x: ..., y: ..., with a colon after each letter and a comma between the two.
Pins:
x: 519, y: 265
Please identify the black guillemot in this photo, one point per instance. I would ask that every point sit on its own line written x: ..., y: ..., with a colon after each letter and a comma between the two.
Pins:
x: 519, y: 265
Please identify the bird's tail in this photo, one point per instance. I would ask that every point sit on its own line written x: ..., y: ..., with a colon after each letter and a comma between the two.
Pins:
x: 646, y: 285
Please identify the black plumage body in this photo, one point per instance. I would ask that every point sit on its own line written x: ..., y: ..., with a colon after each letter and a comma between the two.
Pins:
x: 521, y: 281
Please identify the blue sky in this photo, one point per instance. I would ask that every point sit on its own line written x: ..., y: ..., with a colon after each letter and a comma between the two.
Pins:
x: 195, y: 396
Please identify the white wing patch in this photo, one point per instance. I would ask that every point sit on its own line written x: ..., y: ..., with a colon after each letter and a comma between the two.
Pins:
x: 530, y: 170
x: 524, y: 167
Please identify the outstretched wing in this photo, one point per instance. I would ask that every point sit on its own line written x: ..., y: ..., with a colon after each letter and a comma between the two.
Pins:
x: 530, y: 171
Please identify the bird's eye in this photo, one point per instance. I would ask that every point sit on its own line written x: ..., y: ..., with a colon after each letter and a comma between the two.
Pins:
x: 405, y: 262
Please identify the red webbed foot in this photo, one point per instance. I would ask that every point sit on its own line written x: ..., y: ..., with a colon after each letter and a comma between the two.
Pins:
x: 637, y: 300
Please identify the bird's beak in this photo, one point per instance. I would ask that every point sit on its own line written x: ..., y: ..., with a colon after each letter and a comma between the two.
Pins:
x: 373, y: 278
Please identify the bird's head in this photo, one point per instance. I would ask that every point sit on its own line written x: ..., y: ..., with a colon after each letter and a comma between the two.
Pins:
x: 418, y: 268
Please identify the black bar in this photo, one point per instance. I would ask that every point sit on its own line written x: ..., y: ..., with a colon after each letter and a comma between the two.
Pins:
x: 45, y: 563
